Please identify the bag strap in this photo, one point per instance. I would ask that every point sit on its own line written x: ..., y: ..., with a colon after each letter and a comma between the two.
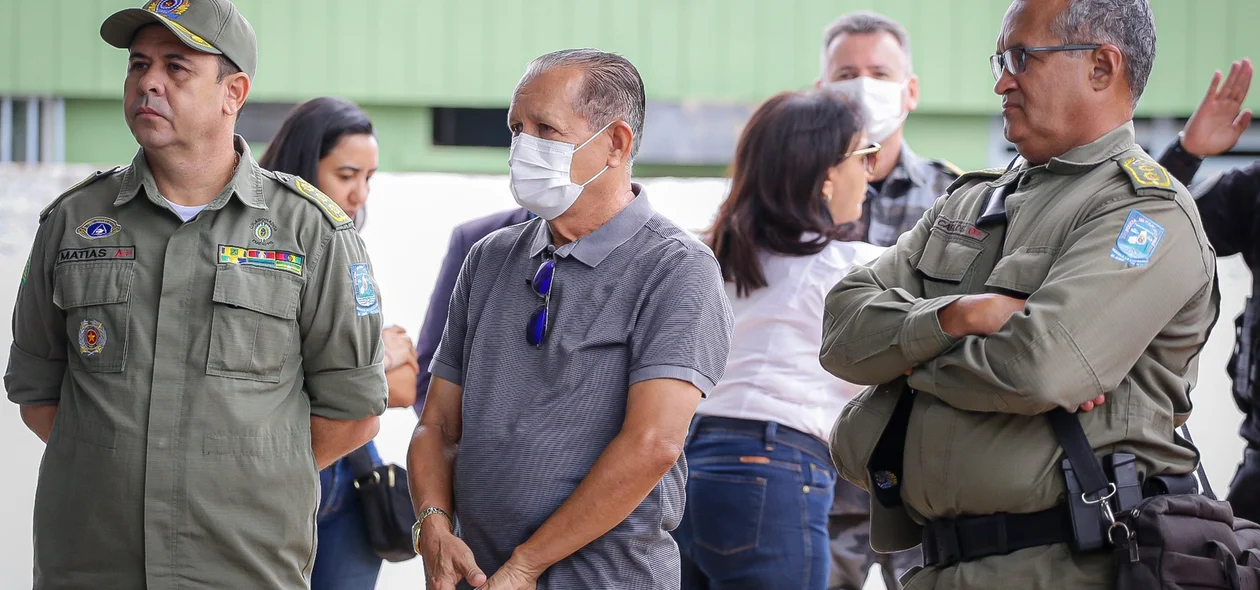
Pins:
x: 1067, y: 428
x: 1199, y: 472
x: 360, y: 461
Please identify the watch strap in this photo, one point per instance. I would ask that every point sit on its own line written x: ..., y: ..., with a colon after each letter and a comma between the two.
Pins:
x: 427, y: 512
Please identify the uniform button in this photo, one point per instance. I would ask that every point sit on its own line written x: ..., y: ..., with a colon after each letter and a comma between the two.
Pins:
x: 806, y: 489
x: 161, y: 443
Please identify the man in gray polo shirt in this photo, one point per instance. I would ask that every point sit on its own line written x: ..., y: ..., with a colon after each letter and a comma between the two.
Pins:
x: 577, y: 347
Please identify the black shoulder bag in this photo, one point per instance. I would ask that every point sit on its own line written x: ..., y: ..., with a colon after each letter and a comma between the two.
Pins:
x: 1172, y: 539
x: 386, y: 503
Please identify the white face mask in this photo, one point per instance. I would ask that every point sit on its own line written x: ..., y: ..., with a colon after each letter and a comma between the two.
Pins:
x: 538, y: 170
x: 881, y: 103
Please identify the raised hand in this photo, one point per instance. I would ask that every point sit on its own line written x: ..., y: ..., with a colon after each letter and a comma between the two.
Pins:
x: 1220, y: 120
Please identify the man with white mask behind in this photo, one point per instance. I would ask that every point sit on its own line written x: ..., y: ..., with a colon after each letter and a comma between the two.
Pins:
x: 866, y: 57
x: 577, y: 347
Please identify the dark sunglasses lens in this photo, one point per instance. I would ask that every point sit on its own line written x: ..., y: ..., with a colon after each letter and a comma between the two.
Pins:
x: 542, y: 278
x: 537, y: 328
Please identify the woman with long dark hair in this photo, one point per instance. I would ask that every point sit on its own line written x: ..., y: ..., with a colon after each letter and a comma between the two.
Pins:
x: 330, y: 143
x: 761, y: 479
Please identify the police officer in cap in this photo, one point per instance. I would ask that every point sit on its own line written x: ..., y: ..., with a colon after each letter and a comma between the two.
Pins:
x: 1079, y: 275
x: 193, y: 338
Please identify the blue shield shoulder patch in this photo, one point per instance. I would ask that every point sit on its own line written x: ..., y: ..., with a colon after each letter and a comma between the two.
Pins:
x: 1137, y: 241
x: 366, y: 301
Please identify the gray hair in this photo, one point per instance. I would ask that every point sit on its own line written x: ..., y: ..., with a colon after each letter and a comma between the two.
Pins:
x: 611, y: 88
x: 1127, y: 24
x: 868, y: 23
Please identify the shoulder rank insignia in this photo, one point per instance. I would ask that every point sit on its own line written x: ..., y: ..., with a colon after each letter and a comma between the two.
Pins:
x: 325, y: 203
x: 949, y: 167
x: 1146, y: 174
x: 985, y: 174
x: 95, y: 176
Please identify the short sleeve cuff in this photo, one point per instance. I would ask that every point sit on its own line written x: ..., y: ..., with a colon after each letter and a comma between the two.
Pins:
x: 447, y: 372
x: 33, y: 381
x: 350, y: 394
x: 921, y: 337
x: 692, y: 376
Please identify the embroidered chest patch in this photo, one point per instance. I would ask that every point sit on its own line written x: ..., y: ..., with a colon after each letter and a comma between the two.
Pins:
x: 263, y: 229
x: 91, y: 337
x: 273, y: 259
x: 1137, y: 241
x: 97, y: 228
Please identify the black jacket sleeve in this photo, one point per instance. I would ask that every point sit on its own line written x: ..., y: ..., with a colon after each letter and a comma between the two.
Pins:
x: 1180, y: 164
x: 1228, y: 204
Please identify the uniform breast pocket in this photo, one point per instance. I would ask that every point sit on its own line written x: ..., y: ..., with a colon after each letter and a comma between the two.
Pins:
x: 254, y: 324
x: 945, y: 263
x: 1023, y: 271
x: 96, y: 297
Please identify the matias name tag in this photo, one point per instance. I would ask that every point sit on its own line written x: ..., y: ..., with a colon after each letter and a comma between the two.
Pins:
x: 92, y: 254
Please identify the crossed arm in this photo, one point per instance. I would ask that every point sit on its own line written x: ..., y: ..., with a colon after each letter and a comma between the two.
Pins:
x: 991, y: 353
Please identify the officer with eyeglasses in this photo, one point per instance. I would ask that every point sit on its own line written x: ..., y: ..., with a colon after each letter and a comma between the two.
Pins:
x: 1077, y: 278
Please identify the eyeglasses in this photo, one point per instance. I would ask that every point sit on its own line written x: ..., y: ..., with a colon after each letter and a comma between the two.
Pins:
x: 1015, y: 60
x: 869, y: 156
x: 536, y: 329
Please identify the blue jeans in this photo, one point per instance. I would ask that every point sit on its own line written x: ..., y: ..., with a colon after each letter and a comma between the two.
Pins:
x: 345, y: 560
x: 758, y: 495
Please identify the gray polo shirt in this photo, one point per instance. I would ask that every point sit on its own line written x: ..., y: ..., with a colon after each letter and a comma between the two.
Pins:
x: 637, y: 299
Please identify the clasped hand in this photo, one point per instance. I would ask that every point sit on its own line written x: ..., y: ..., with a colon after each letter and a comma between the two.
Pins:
x: 448, y: 561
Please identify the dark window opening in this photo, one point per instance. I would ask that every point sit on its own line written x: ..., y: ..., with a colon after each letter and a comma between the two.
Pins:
x: 471, y: 127
x: 259, y: 121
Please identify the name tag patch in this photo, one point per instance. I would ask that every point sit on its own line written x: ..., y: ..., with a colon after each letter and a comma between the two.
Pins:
x: 958, y: 227
x: 365, y: 300
x: 90, y: 254
x: 1137, y: 241
x: 273, y: 259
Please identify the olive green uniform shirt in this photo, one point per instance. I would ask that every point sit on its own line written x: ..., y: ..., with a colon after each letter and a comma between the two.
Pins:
x: 186, y: 360
x: 1120, y: 287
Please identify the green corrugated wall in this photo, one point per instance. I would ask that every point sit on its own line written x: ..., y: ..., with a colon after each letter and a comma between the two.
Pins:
x: 396, y: 55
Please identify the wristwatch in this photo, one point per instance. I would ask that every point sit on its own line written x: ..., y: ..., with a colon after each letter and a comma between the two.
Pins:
x: 427, y: 512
